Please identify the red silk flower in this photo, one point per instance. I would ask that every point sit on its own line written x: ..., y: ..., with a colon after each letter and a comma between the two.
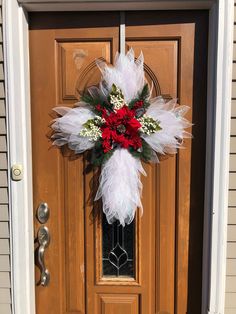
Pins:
x: 120, y: 128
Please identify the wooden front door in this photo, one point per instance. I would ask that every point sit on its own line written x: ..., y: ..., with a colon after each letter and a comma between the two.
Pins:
x: 151, y: 265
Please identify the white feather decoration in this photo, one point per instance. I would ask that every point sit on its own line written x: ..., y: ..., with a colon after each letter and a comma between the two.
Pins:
x: 68, y: 126
x: 127, y: 74
x: 120, y: 186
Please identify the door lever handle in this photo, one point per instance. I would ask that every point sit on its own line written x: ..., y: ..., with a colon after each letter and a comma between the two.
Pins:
x: 44, y: 241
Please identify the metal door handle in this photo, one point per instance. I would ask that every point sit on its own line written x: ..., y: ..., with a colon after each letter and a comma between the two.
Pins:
x: 44, y: 241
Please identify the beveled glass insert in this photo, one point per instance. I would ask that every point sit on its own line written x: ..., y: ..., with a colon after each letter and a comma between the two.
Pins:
x: 118, y: 249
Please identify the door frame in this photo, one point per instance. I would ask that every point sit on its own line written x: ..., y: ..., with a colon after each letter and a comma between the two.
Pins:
x: 16, y: 53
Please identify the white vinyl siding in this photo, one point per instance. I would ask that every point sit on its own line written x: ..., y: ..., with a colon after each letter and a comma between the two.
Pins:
x: 5, y: 269
x: 230, y: 291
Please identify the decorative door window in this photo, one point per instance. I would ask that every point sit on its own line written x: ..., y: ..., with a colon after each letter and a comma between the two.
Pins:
x: 118, y: 249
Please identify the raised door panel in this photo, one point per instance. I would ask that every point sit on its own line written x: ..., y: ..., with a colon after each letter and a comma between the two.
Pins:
x: 117, y: 304
x: 77, y: 66
x: 161, y: 58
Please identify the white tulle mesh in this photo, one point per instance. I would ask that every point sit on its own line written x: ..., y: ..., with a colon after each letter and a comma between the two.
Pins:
x: 120, y: 186
x: 172, y: 123
x: 68, y: 126
x: 127, y: 74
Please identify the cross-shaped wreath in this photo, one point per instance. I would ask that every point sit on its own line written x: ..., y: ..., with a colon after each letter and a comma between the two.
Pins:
x: 122, y: 125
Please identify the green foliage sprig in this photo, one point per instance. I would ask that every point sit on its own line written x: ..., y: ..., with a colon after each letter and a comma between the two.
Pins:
x: 144, y: 96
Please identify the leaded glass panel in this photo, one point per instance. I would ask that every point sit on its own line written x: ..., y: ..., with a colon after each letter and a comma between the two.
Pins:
x: 118, y: 249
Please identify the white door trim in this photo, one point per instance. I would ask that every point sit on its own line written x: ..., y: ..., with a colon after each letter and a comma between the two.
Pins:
x: 218, y: 139
x: 217, y: 158
x: 19, y: 151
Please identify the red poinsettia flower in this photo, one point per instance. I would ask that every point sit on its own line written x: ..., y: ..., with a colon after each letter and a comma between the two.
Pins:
x: 120, y: 128
x: 134, y: 124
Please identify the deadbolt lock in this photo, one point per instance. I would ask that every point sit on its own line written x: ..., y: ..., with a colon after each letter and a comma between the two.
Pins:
x: 43, y: 213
